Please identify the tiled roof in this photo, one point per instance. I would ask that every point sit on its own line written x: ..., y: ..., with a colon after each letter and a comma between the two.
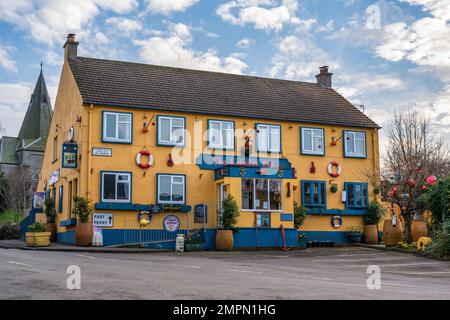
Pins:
x: 125, y: 84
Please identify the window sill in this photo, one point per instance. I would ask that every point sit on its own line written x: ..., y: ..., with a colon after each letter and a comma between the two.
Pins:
x: 262, y: 211
x: 356, y: 157
x: 68, y: 223
x: 117, y: 142
x: 346, y: 212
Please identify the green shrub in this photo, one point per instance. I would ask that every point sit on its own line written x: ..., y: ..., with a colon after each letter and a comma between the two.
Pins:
x: 229, y: 214
x: 81, y: 209
x: 9, y: 232
x: 300, y: 214
x: 36, y: 227
x: 438, y: 199
x: 374, y: 213
x: 441, y: 245
x: 49, y: 210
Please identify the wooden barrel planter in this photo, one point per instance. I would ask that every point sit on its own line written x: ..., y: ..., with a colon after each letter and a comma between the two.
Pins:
x: 418, y: 230
x: 392, y: 235
x: 371, y: 234
x: 224, y: 240
x: 84, y: 233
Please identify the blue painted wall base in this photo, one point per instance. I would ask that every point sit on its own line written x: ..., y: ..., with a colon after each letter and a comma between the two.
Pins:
x: 338, y: 237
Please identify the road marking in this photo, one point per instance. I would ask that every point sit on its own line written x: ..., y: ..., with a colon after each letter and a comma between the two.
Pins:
x: 367, y: 259
x: 408, y: 264
x: 20, y: 264
x: 186, y: 266
x: 244, y: 271
x: 314, y: 278
x: 398, y: 285
x: 83, y: 256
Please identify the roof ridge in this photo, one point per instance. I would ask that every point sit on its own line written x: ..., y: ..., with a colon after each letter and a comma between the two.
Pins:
x: 206, y: 71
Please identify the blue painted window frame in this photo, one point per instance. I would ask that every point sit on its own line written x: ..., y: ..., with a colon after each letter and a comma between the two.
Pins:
x: 158, y: 133
x: 117, y: 141
x: 221, y: 147
x: 365, y: 194
x: 358, y: 156
x: 102, y: 173
x: 311, y: 153
x: 320, y: 196
x: 158, y: 176
x: 60, y: 199
x: 257, y: 126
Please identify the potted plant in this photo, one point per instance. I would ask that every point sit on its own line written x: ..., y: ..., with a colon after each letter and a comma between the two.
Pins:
x: 194, y: 242
x: 371, y: 221
x: 300, y: 214
x: 227, y: 220
x: 354, y: 234
x: 84, y: 230
x: 50, y: 213
x: 37, y: 236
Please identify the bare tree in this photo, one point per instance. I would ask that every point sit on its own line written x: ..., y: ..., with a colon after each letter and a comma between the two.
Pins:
x: 17, y: 191
x: 414, y: 152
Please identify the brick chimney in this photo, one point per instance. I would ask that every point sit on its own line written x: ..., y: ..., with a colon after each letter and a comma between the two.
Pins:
x: 71, y: 47
x: 324, y: 78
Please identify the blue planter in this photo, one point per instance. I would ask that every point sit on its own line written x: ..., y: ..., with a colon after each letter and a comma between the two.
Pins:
x: 354, y: 237
x: 194, y: 247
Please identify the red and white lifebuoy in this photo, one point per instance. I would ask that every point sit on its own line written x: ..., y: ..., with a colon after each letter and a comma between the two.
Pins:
x: 144, y: 153
x: 332, y: 173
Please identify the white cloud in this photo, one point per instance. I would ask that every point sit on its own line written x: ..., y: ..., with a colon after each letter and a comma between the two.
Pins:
x: 438, y: 8
x: 263, y: 14
x: 244, y: 43
x: 6, y: 61
x: 14, y: 98
x: 49, y: 21
x: 125, y: 25
x: 175, y: 49
x: 299, y: 59
x: 169, y: 6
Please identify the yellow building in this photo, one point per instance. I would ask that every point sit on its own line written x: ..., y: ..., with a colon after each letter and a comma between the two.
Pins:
x: 175, y: 142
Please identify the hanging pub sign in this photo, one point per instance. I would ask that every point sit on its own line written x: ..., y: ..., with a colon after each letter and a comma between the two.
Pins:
x: 38, y: 200
x: 70, y: 152
x: 53, y: 178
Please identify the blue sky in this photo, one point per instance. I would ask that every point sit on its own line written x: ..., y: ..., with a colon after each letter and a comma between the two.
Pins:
x: 386, y: 55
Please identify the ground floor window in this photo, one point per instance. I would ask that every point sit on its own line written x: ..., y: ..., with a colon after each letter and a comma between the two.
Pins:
x: 171, y: 189
x: 314, y: 194
x: 357, y: 195
x: 261, y: 194
x: 116, y: 187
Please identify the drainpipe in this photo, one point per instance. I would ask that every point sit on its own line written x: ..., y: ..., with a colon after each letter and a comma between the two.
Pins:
x: 88, y: 191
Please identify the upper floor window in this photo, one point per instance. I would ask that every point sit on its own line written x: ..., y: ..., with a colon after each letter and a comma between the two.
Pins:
x: 117, y: 127
x: 312, y: 141
x: 261, y: 194
x: 221, y: 134
x: 55, y: 148
x: 314, y: 194
x: 355, y: 144
x: 171, y: 189
x: 171, y: 131
x: 357, y: 195
x: 268, y: 138
x: 116, y: 187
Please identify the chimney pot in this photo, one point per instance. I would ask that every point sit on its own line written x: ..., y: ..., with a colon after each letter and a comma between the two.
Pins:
x: 71, y: 47
x: 325, y: 78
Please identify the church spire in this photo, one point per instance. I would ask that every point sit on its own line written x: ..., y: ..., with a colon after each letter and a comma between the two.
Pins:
x: 36, y: 123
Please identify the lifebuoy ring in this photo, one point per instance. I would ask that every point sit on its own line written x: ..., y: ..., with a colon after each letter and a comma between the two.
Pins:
x: 144, y: 153
x: 330, y: 169
x: 336, y: 222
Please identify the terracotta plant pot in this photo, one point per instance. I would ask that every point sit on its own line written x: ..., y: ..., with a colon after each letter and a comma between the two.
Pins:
x: 224, y: 240
x: 51, y: 227
x: 37, y: 239
x: 371, y: 234
x: 84, y: 233
x: 392, y: 235
x: 418, y: 230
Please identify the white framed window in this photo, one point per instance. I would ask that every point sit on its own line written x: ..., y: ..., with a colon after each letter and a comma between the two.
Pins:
x: 269, y: 138
x: 261, y: 195
x: 116, y: 187
x: 117, y: 127
x: 313, y: 141
x: 355, y: 144
x: 221, y: 134
x: 171, y: 189
x: 171, y: 131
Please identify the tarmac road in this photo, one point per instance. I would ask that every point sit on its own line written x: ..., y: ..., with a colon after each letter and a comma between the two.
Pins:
x: 325, y: 273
